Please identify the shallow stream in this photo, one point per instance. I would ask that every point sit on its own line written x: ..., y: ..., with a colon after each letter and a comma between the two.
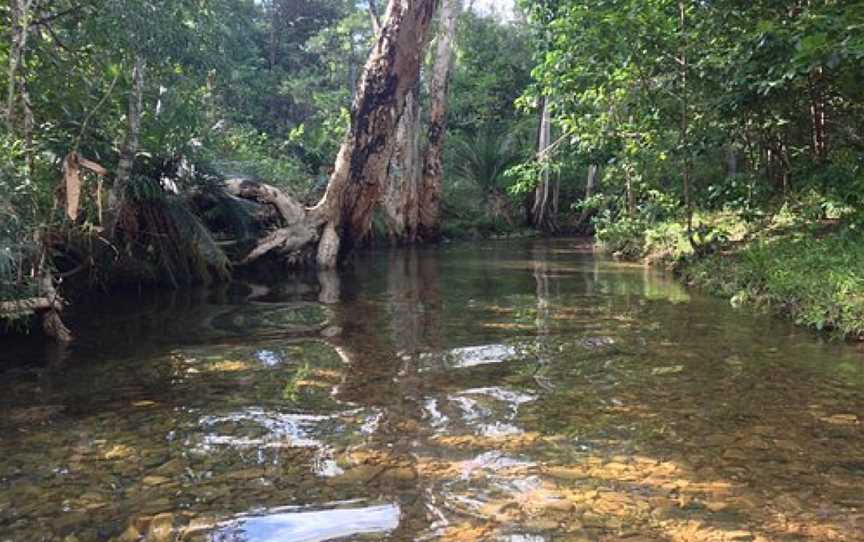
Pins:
x: 517, y: 391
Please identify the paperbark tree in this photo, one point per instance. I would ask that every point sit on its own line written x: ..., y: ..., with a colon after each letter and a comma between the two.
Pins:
x: 401, y: 200
x: 433, y: 172
x: 344, y: 214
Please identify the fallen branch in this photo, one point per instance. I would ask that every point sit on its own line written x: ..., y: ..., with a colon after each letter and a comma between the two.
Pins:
x: 27, y: 306
x: 50, y: 305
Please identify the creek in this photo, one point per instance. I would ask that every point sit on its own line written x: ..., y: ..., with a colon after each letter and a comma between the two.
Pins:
x: 519, y: 391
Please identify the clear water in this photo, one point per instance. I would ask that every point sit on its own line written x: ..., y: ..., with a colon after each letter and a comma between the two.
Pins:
x: 516, y: 391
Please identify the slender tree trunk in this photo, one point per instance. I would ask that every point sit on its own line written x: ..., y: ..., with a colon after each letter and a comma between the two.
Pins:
x: 433, y: 169
x: 274, y: 33
x: 117, y: 196
x: 589, y: 191
x: 731, y: 161
x: 374, y: 14
x: 631, y: 193
x: 20, y: 12
x: 28, y: 125
x: 818, y: 114
x: 543, y: 212
x: 685, y: 119
x: 352, y: 67
x: 786, y: 168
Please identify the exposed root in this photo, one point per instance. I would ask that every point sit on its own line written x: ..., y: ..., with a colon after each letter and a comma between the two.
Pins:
x: 287, y: 241
x: 290, y: 211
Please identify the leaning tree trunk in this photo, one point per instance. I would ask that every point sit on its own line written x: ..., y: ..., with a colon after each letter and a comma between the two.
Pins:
x: 433, y: 170
x: 344, y: 214
x: 117, y: 196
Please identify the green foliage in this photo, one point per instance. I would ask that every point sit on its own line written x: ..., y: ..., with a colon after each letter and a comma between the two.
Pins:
x: 492, y: 69
x: 245, y: 152
x: 667, y: 241
x: 743, y: 117
x: 812, y: 276
x: 165, y: 243
x: 484, y: 157
x: 18, y: 249
x: 624, y: 237
x: 487, y: 134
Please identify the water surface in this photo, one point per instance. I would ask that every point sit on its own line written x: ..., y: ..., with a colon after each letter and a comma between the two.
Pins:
x: 519, y: 392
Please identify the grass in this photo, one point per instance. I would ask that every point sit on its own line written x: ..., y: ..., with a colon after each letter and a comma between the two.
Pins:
x: 811, y: 272
x: 816, y: 279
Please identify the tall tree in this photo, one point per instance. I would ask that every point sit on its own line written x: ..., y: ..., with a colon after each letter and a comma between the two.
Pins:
x: 401, y: 201
x: 343, y: 215
x: 433, y: 158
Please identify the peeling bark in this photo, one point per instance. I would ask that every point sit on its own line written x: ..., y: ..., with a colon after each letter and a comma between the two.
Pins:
x: 344, y: 214
x: 401, y: 196
x: 390, y: 73
x: 433, y: 170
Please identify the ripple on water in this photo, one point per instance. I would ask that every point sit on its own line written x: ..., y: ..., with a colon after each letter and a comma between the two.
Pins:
x: 259, y: 429
x: 469, y: 356
x: 559, y: 404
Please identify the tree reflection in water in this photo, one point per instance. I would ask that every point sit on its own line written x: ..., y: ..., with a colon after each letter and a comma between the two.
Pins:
x: 526, y: 392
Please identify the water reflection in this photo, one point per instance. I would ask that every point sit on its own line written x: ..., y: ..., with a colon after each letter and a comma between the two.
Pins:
x: 518, y: 392
x: 298, y: 525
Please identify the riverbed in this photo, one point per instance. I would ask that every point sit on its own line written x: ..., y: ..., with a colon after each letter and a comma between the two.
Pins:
x: 524, y: 391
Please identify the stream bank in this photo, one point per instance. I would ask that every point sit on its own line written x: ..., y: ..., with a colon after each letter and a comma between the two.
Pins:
x: 807, y: 272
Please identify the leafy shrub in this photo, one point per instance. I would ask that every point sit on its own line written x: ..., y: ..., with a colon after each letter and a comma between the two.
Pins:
x: 667, y: 241
x: 623, y: 237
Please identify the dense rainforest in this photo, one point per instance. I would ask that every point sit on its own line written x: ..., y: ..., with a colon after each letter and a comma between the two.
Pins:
x: 431, y: 270
x: 182, y: 142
